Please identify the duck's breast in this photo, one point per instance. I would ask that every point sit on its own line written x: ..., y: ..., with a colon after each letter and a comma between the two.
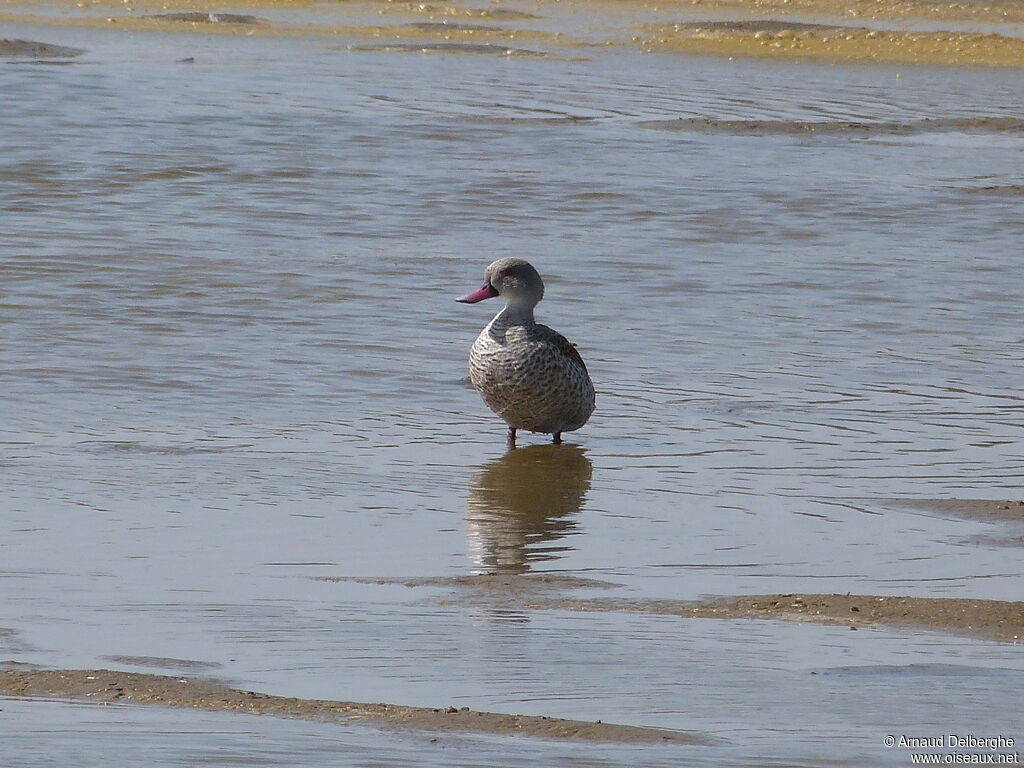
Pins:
x: 532, y: 377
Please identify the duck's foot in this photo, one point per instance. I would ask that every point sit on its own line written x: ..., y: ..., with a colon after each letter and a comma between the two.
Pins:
x: 511, y: 437
x: 557, y: 438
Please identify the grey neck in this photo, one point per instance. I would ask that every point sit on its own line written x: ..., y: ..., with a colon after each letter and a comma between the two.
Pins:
x: 517, y: 313
x: 512, y: 315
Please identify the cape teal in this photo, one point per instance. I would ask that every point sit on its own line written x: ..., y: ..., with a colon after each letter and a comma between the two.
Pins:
x: 527, y: 373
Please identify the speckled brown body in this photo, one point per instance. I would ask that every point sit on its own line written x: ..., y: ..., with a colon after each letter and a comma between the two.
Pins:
x: 531, y: 376
x: 527, y: 373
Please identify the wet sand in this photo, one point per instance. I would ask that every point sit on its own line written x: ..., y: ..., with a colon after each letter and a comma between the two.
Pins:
x: 108, y: 686
x: 353, y: 22
x: 987, y: 510
x: 1000, y: 11
x: 992, y: 619
x: 772, y: 38
x: 31, y: 49
x: 1004, y: 519
x: 973, y: 34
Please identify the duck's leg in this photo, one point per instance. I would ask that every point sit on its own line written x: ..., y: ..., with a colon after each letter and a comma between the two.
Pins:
x: 557, y: 438
x: 511, y: 437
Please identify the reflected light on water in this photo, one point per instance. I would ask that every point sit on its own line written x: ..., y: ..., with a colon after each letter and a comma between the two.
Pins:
x: 522, y: 503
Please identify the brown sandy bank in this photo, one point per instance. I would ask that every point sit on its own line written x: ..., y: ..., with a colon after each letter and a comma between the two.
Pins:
x: 107, y: 686
x: 563, y: 28
x: 986, y: 510
x: 30, y: 49
x: 1004, y: 519
x: 353, y: 22
x: 993, y: 619
x: 988, y: 11
x: 770, y: 38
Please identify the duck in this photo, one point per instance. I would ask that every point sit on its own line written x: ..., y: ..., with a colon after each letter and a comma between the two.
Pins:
x: 528, y: 374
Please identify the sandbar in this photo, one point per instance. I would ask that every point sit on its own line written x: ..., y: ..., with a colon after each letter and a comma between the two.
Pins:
x: 111, y: 686
x: 769, y: 38
x: 990, y: 619
x: 925, y: 32
x: 986, y: 510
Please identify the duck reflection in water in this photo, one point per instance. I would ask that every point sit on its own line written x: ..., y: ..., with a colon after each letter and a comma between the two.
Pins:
x: 524, y: 501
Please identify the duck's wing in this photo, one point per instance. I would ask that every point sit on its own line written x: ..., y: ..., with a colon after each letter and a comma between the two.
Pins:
x: 565, y: 347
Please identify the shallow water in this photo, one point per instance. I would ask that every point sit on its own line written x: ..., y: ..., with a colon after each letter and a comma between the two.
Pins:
x: 231, y: 363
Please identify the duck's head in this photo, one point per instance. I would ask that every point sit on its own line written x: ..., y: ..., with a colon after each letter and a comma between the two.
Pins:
x: 514, y: 280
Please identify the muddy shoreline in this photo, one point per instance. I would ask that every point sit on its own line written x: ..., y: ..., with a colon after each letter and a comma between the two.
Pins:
x: 989, y: 619
x: 985, y: 510
x: 106, y: 686
x: 970, y: 34
x: 772, y: 38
